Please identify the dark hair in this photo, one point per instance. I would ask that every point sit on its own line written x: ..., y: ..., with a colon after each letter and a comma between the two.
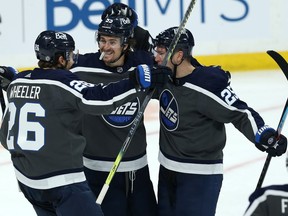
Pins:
x: 54, y: 64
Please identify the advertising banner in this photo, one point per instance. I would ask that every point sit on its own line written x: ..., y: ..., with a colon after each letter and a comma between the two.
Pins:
x: 219, y: 27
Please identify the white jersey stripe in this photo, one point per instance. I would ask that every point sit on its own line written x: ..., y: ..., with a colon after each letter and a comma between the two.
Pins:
x: 190, y: 168
x: 125, y: 166
x: 76, y: 93
x: 51, y: 182
x: 263, y: 197
x: 218, y: 100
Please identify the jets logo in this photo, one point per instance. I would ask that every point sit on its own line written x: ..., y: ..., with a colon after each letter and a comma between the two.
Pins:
x: 124, y: 115
x: 169, y: 111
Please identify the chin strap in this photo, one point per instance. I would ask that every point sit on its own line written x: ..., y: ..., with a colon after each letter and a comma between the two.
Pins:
x: 175, y: 68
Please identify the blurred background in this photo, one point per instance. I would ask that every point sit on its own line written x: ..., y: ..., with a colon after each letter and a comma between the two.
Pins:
x: 234, y: 34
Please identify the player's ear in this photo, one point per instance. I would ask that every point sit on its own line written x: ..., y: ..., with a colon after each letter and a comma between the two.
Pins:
x: 61, y: 59
x: 60, y: 62
x: 125, y: 47
x: 179, y: 56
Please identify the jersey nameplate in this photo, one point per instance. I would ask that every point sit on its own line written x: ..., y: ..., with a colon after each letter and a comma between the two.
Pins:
x: 27, y: 92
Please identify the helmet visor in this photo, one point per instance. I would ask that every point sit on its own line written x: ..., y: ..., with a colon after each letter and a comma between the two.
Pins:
x: 75, y: 55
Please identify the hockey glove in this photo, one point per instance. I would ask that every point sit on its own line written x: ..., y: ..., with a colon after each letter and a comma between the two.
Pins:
x: 160, y: 76
x: 145, y: 77
x: 121, y: 9
x: 6, y: 76
x: 266, y: 139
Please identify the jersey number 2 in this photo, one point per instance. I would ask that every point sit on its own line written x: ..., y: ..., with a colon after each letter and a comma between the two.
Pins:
x: 229, y: 96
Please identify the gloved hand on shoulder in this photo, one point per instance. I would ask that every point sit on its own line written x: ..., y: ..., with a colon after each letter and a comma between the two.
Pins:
x: 145, y: 76
x: 121, y: 9
x: 267, y: 139
x: 6, y: 76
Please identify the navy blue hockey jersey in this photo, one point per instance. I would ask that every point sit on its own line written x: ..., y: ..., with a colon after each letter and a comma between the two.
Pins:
x: 193, y: 113
x: 105, y: 134
x: 42, y: 126
x: 269, y: 201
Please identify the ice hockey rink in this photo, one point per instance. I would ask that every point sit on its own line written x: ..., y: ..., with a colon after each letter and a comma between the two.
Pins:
x: 265, y: 91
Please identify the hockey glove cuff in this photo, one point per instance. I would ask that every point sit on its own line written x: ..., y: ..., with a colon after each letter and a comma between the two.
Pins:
x: 266, y: 139
x: 141, y: 77
x: 145, y: 77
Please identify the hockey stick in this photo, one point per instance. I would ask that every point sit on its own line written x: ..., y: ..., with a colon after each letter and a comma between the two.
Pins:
x: 2, y: 101
x: 284, y: 67
x: 142, y: 108
x: 282, y: 63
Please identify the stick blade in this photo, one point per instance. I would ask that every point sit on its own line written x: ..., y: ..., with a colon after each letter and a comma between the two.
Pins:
x: 282, y: 63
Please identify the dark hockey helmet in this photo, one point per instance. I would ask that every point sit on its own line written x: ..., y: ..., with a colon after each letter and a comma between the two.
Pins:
x: 116, y: 26
x: 118, y: 8
x: 51, y: 43
x: 185, y: 42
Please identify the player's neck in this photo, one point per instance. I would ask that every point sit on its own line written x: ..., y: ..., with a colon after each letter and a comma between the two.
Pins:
x: 184, y: 69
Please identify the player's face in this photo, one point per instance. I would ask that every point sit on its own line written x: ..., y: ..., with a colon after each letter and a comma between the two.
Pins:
x: 111, y: 46
x: 159, y: 54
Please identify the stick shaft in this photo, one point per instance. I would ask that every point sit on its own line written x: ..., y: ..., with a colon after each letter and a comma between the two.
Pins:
x: 2, y: 101
x: 142, y: 108
x: 269, y: 157
x: 282, y: 63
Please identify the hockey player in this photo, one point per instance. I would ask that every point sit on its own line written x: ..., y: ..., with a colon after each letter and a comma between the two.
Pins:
x: 193, y: 111
x: 143, y: 39
x: 269, y: 201
x: 41, y: 127
x: 131, y: 191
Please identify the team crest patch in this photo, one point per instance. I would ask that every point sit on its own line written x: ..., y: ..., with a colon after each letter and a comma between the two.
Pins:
x: 169, y: 111
x: 124, y: 115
